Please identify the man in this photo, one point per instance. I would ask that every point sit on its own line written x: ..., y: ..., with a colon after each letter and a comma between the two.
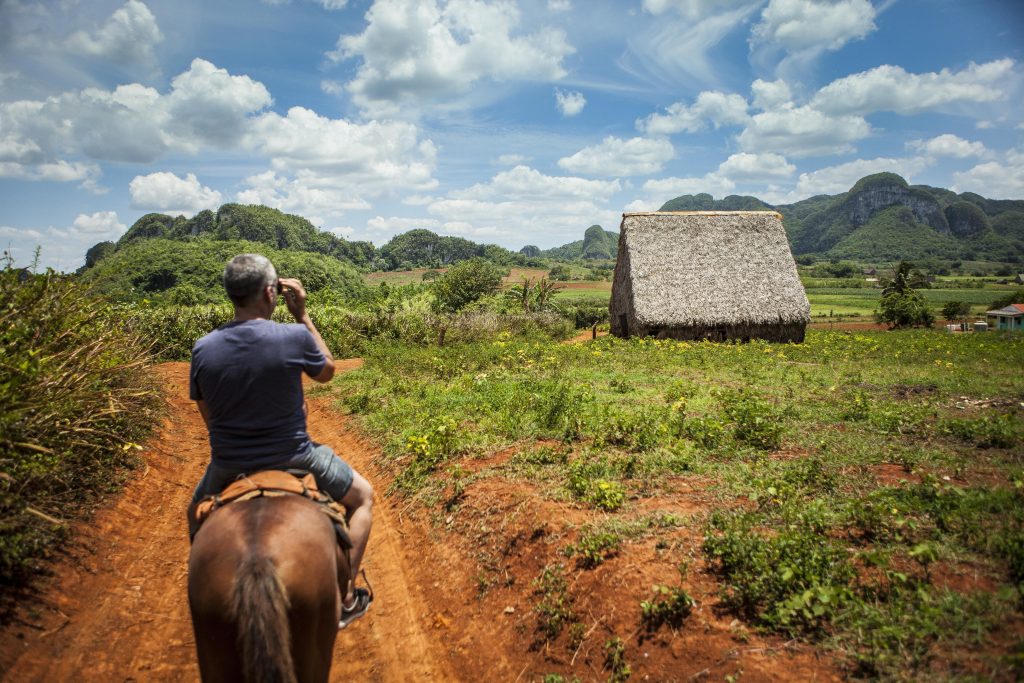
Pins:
x: 246, y: 379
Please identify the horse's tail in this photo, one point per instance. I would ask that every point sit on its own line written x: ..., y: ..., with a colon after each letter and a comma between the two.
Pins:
x: 259, y: 605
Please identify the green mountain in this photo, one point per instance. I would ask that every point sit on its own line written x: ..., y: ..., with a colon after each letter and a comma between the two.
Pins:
x: 883, y: 218
x: 597, y: 243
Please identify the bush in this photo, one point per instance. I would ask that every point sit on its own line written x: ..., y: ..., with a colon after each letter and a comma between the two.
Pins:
x: 464, y: 283
x: 907, y: 309
x: 75, y: 397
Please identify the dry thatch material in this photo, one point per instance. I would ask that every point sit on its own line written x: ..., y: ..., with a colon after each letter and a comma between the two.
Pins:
x: 707, y: 275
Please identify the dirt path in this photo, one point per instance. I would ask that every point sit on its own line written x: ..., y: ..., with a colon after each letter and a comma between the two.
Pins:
x: 116, y: 608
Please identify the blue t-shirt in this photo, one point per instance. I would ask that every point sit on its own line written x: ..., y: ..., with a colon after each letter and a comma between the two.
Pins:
x: 250, y: 376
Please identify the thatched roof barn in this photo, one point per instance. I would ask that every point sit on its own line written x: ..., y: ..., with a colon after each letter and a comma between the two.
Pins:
x: 719, y: 275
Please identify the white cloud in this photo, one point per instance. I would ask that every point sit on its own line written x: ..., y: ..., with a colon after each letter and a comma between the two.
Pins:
x: 524, y: 206
x: 168, y: 193
x: 891, y: 88
x: 63, y: 248
x: 948, y: 145
x: 414, y: 51
x: 615, y: 157
x: 660, y: 190
x: 675, y: 51
x: 394, y: 225
x: 802, y: 131
x: 744, y: 167
x: 693, y: 10
x: 840, y: 178
x: 315, y: 199
x: 339, y: 157
x: 813, y: 26
x: 569, y: 103
x: 99, y: 226
x: 559, y: 5
x: 133, y: 123
x: 127, y: 38
x: 719, y: 108
x: 511, y: 159
x: 994, y: 179
x: 770, y: 94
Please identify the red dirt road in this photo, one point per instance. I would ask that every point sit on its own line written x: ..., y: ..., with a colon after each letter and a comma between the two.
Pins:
x: 116, y: 609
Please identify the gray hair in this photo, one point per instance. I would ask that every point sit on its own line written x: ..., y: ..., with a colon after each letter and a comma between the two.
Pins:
x: 246, y: 275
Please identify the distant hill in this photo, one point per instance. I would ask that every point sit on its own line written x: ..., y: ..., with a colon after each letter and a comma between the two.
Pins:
x: 277, y: 230
x: 597, y: 243
x: 883, y: 218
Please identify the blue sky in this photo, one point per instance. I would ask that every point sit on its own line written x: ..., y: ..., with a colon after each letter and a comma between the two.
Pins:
x: 507, y: 121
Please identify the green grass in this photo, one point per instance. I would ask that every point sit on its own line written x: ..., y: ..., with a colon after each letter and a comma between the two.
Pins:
x: 823, y: 549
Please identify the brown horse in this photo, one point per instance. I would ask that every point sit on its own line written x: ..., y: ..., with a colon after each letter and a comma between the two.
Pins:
x: 263, y: 581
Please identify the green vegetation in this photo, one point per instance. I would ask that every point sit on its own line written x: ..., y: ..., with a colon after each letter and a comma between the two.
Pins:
x: 189, y: 273
x: 852, y: 484
x: 597, y: 243
x: 464, y: 283
x: 76, y: 397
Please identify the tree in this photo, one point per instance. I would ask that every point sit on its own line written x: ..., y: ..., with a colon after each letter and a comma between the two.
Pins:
x: 464, y: 283
x: 956, y: 310
x: 901, y: 304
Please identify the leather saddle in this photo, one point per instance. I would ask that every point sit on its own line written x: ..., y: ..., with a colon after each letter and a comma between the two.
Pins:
x: 269, y: 483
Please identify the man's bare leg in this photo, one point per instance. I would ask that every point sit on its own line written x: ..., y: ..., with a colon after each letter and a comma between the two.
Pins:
x: 358, y: 503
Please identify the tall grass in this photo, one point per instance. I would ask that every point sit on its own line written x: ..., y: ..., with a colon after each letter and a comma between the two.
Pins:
x: 75, y: 397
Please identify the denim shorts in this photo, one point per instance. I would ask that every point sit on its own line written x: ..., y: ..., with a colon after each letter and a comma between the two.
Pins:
x: 333, y: 475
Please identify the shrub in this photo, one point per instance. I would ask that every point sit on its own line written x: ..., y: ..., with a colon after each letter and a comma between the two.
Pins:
x: 555, y: 608
x: 594, y: 548
x: 755, y: 422
x: 792, y: 580
x: 907, y: 309
x: 669, y: 606
x: 75, y: 397
x: 464, y: 283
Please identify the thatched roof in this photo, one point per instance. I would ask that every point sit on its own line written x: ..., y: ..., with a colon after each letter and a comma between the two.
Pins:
x: 709, y: 268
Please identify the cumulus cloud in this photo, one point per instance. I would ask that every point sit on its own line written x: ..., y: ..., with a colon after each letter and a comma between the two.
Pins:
x: 414, y: 51
x: 206, y: 106
x: 127, y: 38
x: 658, y: 191
x: 569, y: 103
x: 395, y: 224
x: 526, y: 205
x: 840, y: 178
x: 813, y: 25
x: 371, y: 158
x: 891, y: 88
x: 559, y: 5
x: 61, y: 248
x: 168, y: 193
x: 719, y: 108
x: 313, y: 198
x: 802, y: 131
x: 744, y: 167
x: 948, y: 145
x: 770, y: 94
x: 616, y: 157
x: 995, y: 179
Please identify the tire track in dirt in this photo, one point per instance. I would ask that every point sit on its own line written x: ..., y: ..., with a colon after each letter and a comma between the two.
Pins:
x: 116, y: 607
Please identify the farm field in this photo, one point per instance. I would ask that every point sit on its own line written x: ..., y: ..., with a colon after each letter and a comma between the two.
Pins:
x: 826, y: 301
x: 859, y: 494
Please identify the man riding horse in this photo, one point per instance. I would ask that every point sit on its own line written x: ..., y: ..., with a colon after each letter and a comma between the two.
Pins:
x: 246, y: 379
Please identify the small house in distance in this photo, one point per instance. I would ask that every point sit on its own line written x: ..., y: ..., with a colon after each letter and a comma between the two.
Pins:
x: 1009, y: 318
x: 717, y: 275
